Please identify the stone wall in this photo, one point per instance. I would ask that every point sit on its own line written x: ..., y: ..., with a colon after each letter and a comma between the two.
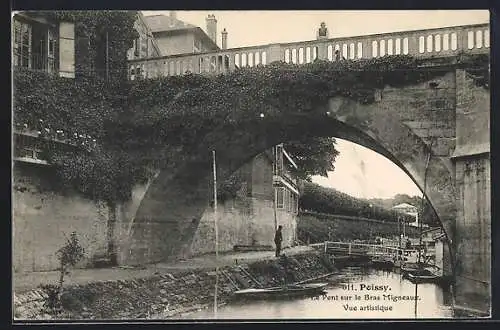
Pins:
x: 242, y: 222
x: 234, y: 227
x: 167, y: 295
x: 44, y: 215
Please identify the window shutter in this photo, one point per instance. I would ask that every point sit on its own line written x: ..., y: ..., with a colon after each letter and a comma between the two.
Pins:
x: 67, y: 49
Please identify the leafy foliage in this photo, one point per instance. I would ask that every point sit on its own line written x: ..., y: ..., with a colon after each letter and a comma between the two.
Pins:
x: 317, y: 228
x: 97, y: 175
x: 73, y: 106
x: 313, y: 156
x: 327, y: 200
x: 230, y: 187
x: 68, y: 255
x: 53, y: 301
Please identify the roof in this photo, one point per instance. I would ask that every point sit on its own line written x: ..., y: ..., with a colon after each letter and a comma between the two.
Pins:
x: 404, y: 206
x: 167, y: 25
x: 162, y: 23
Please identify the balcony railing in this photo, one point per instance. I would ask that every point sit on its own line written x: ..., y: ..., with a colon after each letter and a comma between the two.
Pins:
x: 421, y: 43
x: 32, y: 145
x: 36, y: 62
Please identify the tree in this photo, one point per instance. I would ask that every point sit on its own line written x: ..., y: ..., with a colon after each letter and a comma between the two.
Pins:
x: 313, y: 156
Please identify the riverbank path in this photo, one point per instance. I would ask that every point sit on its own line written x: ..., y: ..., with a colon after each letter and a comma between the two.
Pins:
x: 29, y: 281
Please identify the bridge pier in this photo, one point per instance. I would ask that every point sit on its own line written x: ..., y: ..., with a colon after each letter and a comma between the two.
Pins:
x: 472, y: 234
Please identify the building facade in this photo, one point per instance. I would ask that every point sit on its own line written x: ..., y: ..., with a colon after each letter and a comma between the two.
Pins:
x: 145, y: 45
x: 408, y: 209
x: 175, y: 37
x: 44, y: 44
x: 44, y: 214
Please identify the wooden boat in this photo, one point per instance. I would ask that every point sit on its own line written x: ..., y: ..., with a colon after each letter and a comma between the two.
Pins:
x: 410, y: 267
x: 382, y: 262
x: 415, y: 266
x: 422, y: 276
x: 288, y: 291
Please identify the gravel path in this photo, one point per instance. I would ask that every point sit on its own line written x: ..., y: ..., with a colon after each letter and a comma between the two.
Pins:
x: 29, y: 281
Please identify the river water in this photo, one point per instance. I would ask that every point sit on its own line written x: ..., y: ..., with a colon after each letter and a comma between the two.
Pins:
x: 350, y: 294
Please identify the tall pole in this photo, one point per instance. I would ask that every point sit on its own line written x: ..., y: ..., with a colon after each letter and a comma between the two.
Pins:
x: 216, y: 236
x: 274, y: 207
x: 422, y: 205
x: 275, y: 190
x: 420, y: 220
x: 399, y: 232
x: 107, y: 57
x: 404, y: 228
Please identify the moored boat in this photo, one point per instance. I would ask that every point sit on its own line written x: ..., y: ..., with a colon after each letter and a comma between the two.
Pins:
x: 410, y: 267
x: 422, y: 276
x: 382, y: 262
x: 287, y: 291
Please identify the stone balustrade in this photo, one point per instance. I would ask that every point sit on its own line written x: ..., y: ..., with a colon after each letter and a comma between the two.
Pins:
x: 427, y: 43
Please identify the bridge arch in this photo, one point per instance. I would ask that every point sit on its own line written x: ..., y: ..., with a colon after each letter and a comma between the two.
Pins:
x: 399, y: 125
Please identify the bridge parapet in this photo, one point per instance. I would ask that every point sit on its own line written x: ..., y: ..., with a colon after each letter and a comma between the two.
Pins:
x: 429, y: 43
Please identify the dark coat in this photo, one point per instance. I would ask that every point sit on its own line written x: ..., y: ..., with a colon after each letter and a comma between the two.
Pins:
x: 278, y: 237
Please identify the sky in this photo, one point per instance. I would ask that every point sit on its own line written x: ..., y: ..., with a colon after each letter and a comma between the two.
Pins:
x: 359, y: 171
x: 363, y: 173
x: 250, y: 28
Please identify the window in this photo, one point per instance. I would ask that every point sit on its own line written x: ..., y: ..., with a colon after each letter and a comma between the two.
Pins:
x: 280, y: 196
x: 197, y: 46
x: 287, y: 200
x: 34, y: 46
x: 278, y: 160
x: 294, y: 203
x: 137, y: 46
x: 22, y: 44
x: 51, y: 54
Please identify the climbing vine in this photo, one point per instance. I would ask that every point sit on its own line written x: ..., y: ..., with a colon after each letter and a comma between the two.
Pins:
x: 101, y: 36
x: 478, y: 68
x: 155, y: 122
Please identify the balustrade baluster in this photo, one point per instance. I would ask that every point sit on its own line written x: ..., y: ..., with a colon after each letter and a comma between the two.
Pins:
x: 479, y: 39
x: 437, y: 43
x: 359, y: 52
x: 429, y: 46
x: 422, y: 43
x: 458, y: 41
x: 470, y: 40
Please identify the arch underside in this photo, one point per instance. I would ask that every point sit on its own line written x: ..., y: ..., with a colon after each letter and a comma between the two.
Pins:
x: 170, y: 212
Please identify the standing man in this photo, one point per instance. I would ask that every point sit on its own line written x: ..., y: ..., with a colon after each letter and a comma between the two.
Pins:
x: 278, y: 238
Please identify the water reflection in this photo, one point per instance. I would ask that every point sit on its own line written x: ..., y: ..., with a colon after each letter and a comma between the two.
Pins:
x: 355, y: 293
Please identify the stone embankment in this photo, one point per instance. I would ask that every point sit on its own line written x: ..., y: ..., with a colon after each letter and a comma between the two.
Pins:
x: 166, y: 295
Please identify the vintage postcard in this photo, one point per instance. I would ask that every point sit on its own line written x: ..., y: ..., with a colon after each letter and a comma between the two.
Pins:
x: 211, y: 165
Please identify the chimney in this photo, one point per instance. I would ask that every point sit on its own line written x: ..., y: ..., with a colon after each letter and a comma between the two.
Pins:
x: 173, y: 14
x: 212, y: 27
x: 224, y: 39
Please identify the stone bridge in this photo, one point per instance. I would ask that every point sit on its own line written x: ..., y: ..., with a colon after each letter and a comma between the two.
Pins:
x: 436, y: 131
